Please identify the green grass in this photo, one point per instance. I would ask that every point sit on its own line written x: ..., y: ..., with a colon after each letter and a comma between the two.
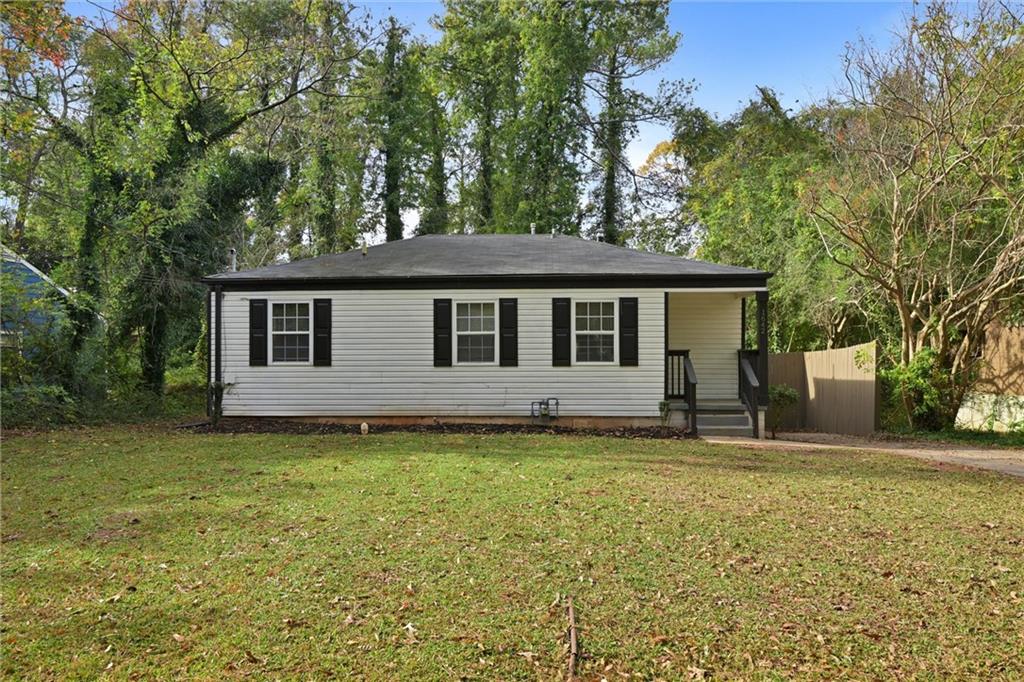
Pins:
x: 140, y: 552
x: 966, y: 437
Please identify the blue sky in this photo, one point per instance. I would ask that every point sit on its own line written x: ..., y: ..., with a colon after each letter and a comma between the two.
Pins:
x: 727, y: 48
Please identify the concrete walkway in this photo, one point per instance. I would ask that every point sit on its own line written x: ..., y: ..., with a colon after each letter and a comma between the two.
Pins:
x: 1002, y: 460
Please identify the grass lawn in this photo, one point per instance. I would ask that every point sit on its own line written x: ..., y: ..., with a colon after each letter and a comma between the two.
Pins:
x: 150, y: 553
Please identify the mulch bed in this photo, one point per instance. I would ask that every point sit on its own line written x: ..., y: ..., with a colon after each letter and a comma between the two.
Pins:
x: 299, y: 428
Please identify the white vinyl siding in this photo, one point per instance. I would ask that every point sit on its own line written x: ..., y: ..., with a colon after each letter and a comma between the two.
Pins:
x: 382, y: 361
x: 708, y: 325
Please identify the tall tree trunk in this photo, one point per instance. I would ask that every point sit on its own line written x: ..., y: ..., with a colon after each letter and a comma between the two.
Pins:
x: 435, y: 214
x: 154, y: 351
x: 611, y: 197
x: 324, y: 209
x: 83, y: 310
x: 393, y: 227
x: 24, y: 197
x: 486, y: 143
x: 392, y: 142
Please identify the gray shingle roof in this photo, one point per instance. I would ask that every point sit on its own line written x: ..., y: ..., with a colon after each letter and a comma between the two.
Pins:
x: 492, y: 257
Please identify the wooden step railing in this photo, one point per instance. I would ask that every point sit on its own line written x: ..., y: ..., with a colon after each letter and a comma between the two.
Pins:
x: 681, y: 382
x: 749, y: 385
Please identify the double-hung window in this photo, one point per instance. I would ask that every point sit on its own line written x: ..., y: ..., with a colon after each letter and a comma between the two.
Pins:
x: 290, y: 332
x: 474, y: 333
x: 595, y: 331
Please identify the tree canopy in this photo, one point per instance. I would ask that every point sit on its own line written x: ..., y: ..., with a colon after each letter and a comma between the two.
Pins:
x: 141, y: 145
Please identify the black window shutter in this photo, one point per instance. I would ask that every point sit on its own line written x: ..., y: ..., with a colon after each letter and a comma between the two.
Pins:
x: 322, y: 332
x: 258, y: 331
x: 442, y: 332
x: 561, y: 332
x: 629, y: 333
x: 508, y: 325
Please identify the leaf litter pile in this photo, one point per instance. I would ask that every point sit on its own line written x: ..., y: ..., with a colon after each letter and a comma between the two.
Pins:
x: 142, y: 553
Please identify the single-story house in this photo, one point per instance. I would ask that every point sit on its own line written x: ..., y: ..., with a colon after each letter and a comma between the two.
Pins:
x: 481, y: 328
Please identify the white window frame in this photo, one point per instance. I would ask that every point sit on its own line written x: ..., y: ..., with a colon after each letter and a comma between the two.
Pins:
x: 456, y: 333
x: 271, y: 332
x: 614, y: 333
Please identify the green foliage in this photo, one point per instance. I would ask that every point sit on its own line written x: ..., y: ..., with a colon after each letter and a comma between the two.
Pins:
x: 743, y: 182
x: 937, y: 232
x: 37, y: 405
x: 780, y: 398
x: 921, y: 388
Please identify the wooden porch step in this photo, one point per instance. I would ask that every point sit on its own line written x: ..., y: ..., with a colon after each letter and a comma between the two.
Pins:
x: 711, y: 406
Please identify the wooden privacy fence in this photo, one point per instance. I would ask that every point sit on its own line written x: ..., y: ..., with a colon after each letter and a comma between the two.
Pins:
x: 1002, y: 367
x: 838, y: 389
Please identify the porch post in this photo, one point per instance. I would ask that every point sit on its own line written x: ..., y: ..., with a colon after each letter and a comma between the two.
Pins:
x: 762, y: 347
x: 664, y: 350
x: 743, y: 323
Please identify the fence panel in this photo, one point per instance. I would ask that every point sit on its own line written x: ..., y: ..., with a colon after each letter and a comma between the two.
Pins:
x: 838, y: 389
x: 1002, y: 372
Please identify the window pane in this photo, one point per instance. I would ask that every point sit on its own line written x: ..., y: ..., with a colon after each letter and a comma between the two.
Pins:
x: 595, y: 348
x: 608, y: 309
x: 608, y: 324
x: 278, y: 310
x: 291, y: 347
x: 581, y: 324
x: 475, y: 348
x: 302, y: 309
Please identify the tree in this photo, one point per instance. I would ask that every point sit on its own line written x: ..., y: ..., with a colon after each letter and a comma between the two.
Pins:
x: 739, y: 181
x: 629, y: 40
x: 481, y: 74
x: 544, y: 182
x: 435, y: 146
x: 392, y: 142
x: 925, y: 200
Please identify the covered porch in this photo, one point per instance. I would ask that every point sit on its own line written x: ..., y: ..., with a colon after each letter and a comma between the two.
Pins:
x: 716, y: 360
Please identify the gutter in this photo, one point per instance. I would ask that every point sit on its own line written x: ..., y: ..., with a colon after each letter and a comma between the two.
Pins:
x: 709, y: 281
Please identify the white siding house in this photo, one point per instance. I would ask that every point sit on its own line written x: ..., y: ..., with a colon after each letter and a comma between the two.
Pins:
x: 382, y: 361
x: 466, y: 328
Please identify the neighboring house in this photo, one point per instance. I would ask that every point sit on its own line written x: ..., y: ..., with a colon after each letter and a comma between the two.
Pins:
x: 479, y: 327
x: 997, y: 399
x: 28, y: 298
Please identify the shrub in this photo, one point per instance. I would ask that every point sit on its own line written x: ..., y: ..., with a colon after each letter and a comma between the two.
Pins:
x: 922, y: 390
x: 45, y: 405
x: 780, y: 396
